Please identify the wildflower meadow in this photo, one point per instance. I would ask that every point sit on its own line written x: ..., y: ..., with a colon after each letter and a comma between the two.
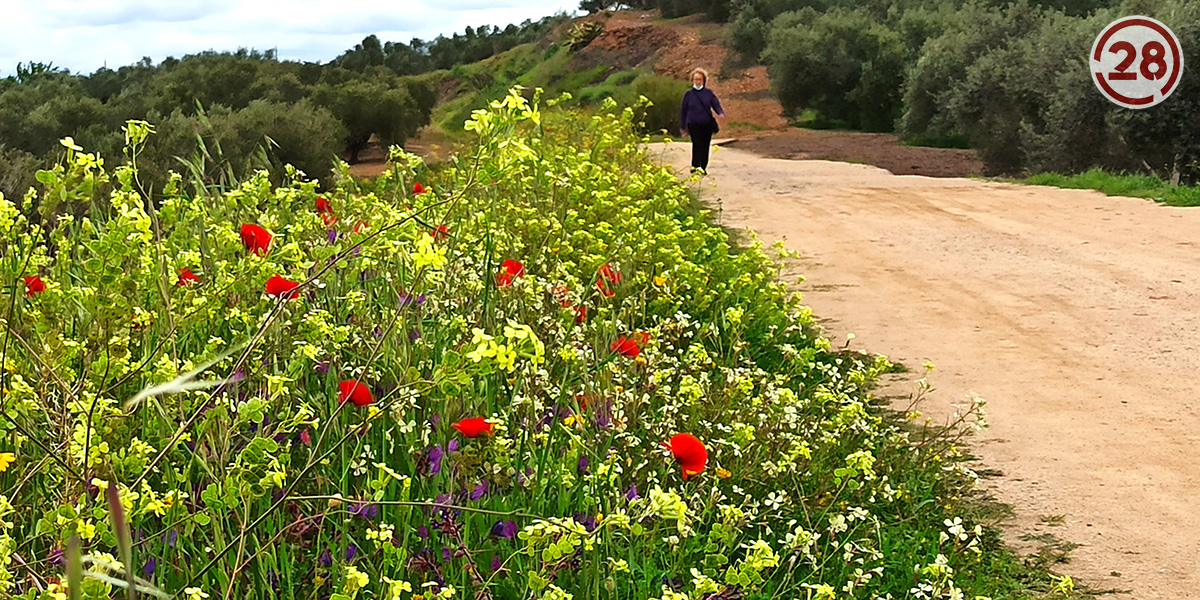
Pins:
x: 532, y: 371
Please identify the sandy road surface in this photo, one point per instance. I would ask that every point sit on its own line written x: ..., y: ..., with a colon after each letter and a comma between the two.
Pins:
x: 1075, y: 315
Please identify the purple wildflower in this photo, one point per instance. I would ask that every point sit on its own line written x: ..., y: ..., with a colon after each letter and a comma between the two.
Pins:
x: 479, y: 491
x: 56, y: 557
x: 414, y: 335
x: 170, y: 537
x: 582, y: 467
x: 506, y: 529
x: 351, y: 552
x: 326, y: 558
x: 423, y: 532
x: 323, y: 366
x: 378, y: 332
x: 588, y: 521
x: 150, y: 566
x: 446, y: 555
x: 365, y: 510
x: 452, y: 446
x: 434, y: 458
x: 603, y: 416
x: 632, y: 493
x: 496, y: 564
x: 332, y: 236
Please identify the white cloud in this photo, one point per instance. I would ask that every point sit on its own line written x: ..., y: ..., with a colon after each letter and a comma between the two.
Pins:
x: 83, y: 35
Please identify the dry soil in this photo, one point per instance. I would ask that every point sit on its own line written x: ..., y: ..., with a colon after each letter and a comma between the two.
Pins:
x: 1073, y: 314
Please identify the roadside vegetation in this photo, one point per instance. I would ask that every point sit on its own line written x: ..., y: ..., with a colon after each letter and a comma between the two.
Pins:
x: 1121, y: 184
x: 534, y: 371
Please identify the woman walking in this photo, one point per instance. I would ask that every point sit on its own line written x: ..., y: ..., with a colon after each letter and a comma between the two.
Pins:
x: 696, y: 118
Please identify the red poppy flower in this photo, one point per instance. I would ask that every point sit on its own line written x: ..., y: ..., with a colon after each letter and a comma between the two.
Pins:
x: 627, y: 347
x: 323, y: 206
x: 440, y: 233
x: 580, y: 314
x: 34, y: 285
x: 418, y: 188
x: 689, y: 453
x: 282, y: 288
x: 186, y: 277
x: 473, y: 427
x: 509, y: 269
x: 609, y: 273
x: 355, y: 392
x: 604, y: 289
x: 360, y: 226
x: 256, y: 239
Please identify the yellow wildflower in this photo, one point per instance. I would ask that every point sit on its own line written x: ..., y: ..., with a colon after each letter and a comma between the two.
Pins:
x: 194, y: 593
x: 6, y: 458
x: 723, y: 474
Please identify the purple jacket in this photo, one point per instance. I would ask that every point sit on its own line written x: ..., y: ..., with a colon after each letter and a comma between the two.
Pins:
x: 698, y: 106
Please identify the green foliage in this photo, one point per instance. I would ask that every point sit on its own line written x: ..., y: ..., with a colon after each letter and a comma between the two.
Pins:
x: 247, y: 475
x: 381, y: 107
x: 665, y: 95
x: 1122, y: 184
x: 582, y: 33
x: 259, y: 107
x: 301, y: 134
x: 16, y: 171
x: 473, y: 45
x: 841, y: 62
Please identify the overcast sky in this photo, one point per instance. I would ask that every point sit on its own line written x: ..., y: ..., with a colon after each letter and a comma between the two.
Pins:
x: 84, y: 35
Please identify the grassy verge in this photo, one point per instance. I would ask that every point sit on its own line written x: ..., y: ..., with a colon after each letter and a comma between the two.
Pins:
x: 1119, y: 184
x: 540, y: 374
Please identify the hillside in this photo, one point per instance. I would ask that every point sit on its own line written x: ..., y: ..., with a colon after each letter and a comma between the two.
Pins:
x: 640, y: 43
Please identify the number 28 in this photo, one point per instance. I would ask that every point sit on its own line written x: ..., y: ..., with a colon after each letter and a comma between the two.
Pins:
x: 1154, y: 54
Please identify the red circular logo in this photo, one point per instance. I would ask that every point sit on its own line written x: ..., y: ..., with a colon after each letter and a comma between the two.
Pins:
x: 1136, y: 62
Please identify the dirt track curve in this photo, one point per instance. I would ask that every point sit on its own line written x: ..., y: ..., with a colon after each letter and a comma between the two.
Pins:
x: 1073, y: 314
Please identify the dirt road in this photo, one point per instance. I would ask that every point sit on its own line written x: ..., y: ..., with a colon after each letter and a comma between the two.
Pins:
x: 1074, y: 315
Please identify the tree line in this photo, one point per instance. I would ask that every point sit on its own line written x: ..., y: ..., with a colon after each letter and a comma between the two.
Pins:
x: 1009, y: 78
x: 230, y: 113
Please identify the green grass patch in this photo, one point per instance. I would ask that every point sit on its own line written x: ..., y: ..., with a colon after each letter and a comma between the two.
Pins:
x: 814, y: 119
x: 1122, y: 184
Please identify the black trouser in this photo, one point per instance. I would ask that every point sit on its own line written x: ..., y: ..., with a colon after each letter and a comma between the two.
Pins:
x: 701, y: 137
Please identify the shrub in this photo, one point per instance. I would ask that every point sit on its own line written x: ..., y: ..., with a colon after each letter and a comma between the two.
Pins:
x: 842, y: 63
x: 229, y: 146
x: 582, y: 34
x: 1165, y: 136
x: 666, y: 96
x: 16, y: 172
